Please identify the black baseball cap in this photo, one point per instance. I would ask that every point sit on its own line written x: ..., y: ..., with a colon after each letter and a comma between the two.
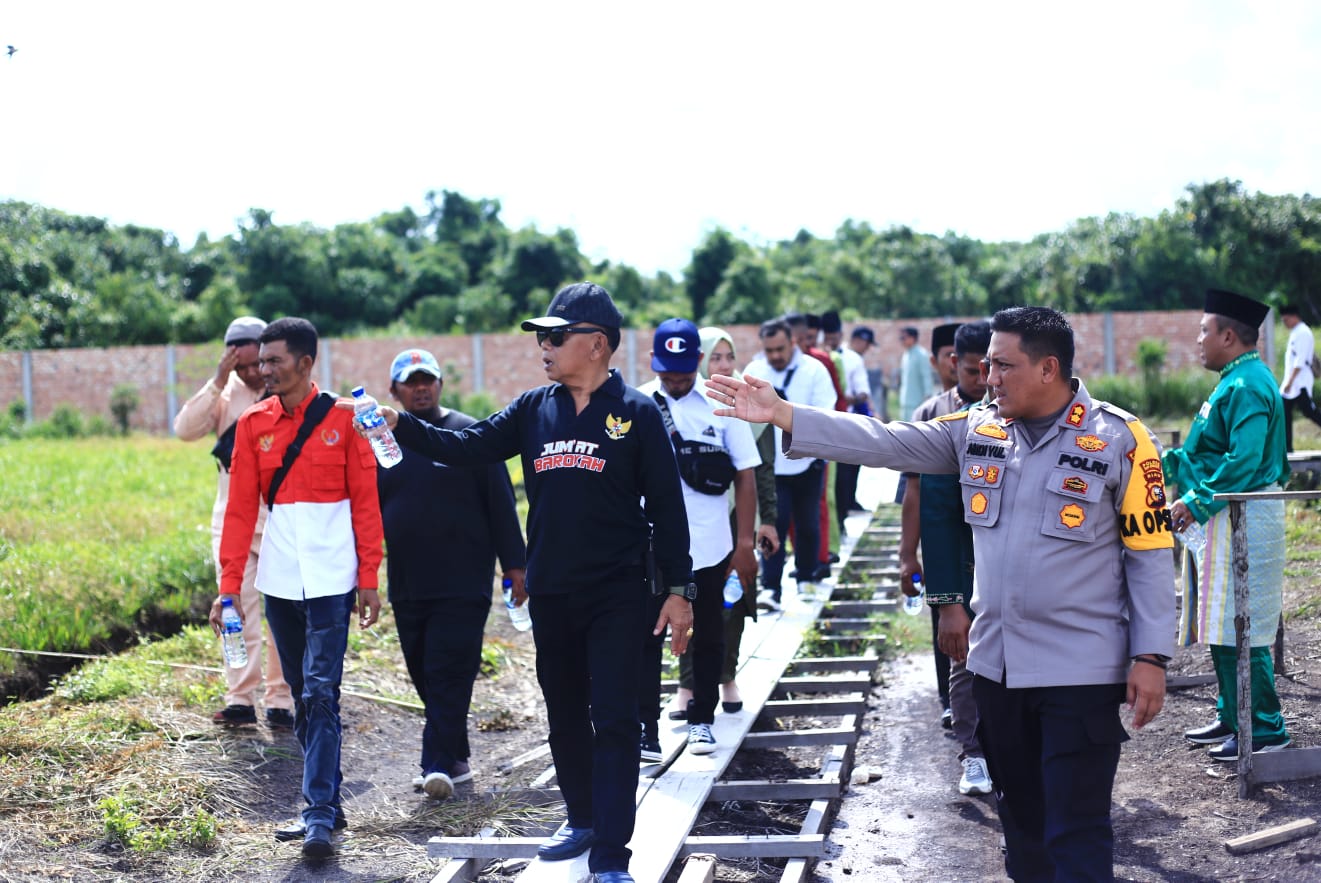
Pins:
x: 865, y: 333
x: 580, y: 302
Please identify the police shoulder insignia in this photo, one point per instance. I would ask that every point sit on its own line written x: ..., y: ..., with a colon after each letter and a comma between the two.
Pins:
x: 617, y: 428
x: 1091, y: 443
x: 992, y: 430
x: 957, y: 415
x: 1077, y: 414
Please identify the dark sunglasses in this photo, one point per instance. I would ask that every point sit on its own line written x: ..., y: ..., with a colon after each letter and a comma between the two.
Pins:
x: 556, y: 335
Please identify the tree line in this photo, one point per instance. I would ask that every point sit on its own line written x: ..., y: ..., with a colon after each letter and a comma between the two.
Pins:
x: 456, y: 267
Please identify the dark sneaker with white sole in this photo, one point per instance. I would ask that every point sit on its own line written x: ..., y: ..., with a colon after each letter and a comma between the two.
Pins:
x: 1228, y: 750
x: 1212, y: 734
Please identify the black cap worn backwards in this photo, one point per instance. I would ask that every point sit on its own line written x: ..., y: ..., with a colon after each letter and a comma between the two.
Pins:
x: 1235, y: 306
x: 580, y: 302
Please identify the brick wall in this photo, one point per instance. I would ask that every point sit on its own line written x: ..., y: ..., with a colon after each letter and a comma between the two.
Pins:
x: 508, y: 363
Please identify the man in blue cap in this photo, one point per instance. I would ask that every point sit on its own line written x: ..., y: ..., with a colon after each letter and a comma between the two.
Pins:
x: 440, y: 568
x: 593, y: 449
x: 713, y: 455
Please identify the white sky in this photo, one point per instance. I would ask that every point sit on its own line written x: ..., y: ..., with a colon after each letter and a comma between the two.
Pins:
x: 643, y: 125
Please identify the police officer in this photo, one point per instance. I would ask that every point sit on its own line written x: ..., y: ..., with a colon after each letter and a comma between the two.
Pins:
x: 592, y: 448
x: 1073, y: 485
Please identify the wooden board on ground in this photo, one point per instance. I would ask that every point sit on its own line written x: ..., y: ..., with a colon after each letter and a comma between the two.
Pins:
x: 1271, y: 836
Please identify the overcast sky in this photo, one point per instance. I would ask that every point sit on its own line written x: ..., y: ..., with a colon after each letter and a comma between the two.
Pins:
x: 643, y: 125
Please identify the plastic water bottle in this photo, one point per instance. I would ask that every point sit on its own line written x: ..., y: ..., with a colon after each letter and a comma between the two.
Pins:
x: 373, y: 425
x: 520, y: 616
x: 231, y: 635
x: 733, y: 589
x: 913, y: 604
x: 1194, y: 539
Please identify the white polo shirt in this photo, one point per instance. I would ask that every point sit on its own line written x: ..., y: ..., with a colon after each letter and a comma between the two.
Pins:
x: 708, y: 514
x: 810, y: 385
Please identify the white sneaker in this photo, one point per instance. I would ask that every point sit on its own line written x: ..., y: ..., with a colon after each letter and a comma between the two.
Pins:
x: 700, y: 739
x: 438, y: 786
x: 976, y: 779
x: 417, y: 782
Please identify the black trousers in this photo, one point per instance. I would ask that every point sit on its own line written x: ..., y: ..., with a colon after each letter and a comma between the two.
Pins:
x: 706, y: 648
x: 846, y: 490
x: 589, y: 652
x: 1052, y: 753
x: 441, y: 639
x: 1303, y: 403
x: 798, y: 501
x: 942, y: 661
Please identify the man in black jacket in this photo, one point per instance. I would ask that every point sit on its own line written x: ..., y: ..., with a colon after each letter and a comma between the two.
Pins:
x: 440, y: 564
x: 593, y: 449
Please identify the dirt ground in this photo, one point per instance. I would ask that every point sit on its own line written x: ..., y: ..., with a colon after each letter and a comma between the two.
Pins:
x: 1173, y: 807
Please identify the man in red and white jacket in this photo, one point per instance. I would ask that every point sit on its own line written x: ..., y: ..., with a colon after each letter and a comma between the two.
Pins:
x: 319, y: 555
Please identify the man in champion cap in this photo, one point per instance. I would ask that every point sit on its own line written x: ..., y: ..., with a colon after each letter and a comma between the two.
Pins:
x: 729, y: 446
x: 593, y: 449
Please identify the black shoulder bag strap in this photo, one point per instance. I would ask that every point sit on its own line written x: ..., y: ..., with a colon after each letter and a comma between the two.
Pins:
x: 669, y: 421
x: 781, y: 391
x: 316, y: 411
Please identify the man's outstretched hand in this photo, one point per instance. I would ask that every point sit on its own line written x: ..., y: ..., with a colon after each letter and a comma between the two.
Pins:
x: 750, y: 399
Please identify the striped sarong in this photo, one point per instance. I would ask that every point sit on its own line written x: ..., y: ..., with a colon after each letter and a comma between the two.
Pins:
x: 1207, y: 611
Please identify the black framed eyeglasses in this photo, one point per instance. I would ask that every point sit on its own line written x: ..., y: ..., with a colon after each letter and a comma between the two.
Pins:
x: 556, y: 335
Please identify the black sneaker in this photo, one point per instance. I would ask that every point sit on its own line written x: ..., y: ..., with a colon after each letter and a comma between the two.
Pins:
x: 947, y: 719
x: 1228, y: 750
x: 279, y: 718
x: 297, y: 831
x: 235, y: 715
x: 1212, y: 734
x: 649, y: 750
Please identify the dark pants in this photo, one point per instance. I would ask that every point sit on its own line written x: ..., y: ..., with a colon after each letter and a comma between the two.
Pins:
x: 311, y: 636
x: 942, y: 661
x: 846, y: 491
x: 707, y: 649
x: 588, y: 656
x: 1052, y: 753
x: 441, y: 640
x: 798, y: 498
x: 1304, y: 404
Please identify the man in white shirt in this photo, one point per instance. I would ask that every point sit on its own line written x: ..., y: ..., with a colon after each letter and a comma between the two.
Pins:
x: 713, y: 454
x: 1298, y: 378
x: 803, y: 380
x: 857, y: 389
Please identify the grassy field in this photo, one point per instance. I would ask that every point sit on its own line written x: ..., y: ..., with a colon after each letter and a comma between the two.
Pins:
x: 99, y: 536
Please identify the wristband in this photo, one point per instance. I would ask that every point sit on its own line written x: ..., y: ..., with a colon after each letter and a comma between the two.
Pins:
x: 1149, y: 661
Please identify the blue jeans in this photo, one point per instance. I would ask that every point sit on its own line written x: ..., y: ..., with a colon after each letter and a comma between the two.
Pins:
x: 311, y: 636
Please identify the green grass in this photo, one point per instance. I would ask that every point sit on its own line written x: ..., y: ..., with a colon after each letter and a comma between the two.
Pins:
x: 100, y: 535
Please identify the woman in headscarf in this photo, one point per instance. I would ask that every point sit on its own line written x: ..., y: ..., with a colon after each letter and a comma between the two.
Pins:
x: 718, y: 358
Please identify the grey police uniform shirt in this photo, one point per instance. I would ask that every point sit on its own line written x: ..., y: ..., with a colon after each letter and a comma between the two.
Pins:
x: 1071, y: 534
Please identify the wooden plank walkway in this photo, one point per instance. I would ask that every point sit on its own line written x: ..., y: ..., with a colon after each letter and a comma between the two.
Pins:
x: 670, y: 795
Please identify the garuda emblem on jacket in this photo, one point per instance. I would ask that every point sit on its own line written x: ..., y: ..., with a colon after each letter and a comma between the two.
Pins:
x: 617, y: 428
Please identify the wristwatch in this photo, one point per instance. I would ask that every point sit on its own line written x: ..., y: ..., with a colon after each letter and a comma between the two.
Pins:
x: 689, y: 591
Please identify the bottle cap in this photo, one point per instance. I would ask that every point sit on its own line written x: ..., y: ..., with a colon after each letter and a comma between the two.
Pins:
x: 357, y: 392
x: 226, y: 602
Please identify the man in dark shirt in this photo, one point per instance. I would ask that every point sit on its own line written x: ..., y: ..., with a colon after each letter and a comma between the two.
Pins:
x: 440, y: 567
x: 592, y: 450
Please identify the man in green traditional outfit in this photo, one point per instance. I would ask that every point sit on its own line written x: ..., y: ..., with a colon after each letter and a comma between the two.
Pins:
x: 1236, y: 444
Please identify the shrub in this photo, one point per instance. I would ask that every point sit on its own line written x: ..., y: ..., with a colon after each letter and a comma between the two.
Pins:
x: 123, y: 402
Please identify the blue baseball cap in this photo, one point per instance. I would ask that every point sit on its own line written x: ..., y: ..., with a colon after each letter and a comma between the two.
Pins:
x: 409, y: 362
x: 677, y: 347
